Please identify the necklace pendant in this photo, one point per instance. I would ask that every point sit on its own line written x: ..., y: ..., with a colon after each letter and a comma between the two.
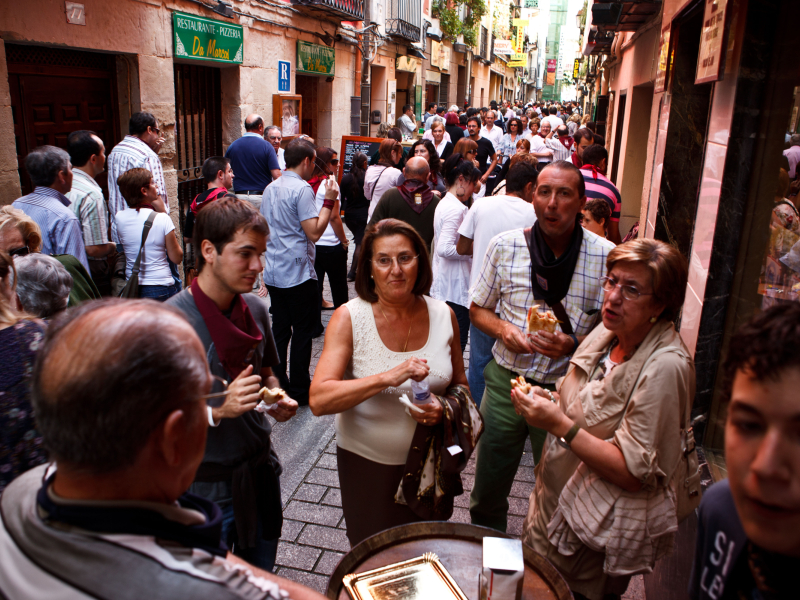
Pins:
x: 417, y: 198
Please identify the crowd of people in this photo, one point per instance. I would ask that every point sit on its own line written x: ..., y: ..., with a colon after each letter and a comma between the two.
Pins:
x: 137, y: 441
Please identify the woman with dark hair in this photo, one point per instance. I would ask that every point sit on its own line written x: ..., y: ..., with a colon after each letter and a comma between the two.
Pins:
x: 451, y: 270
x: 383, y: 176
x: 615, y: 428
x: 426, y: 150
x: 331, y: 247
x: 355, y: 205
x: 376, y: 344
x: 508, y: 143
x: 453, y: 127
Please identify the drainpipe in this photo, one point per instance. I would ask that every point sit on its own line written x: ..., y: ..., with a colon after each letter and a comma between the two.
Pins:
x: 365, y: 78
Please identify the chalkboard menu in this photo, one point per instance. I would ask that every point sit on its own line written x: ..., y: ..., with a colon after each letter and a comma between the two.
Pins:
x: 352, y: 144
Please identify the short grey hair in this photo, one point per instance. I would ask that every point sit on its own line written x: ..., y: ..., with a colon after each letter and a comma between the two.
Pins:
x: 795, y: 139
x: 43, y: 285
x: 45, y: 163
x: 436, y: 120
x: 271, y: 127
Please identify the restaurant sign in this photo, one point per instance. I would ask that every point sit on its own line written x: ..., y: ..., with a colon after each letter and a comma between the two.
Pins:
x: 313, y: 59
x: 198, y: 38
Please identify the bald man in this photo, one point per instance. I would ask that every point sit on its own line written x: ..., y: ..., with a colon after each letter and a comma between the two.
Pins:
x: 253, y: 161
x: 412, y: 202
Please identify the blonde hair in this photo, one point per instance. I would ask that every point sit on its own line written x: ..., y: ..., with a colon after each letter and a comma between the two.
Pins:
x: 586, y: 119
x: 667, y: 267
x: 9, y: 315
x: 27, y: 227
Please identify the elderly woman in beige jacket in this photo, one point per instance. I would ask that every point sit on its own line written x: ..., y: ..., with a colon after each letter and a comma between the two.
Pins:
x: 614, y: 430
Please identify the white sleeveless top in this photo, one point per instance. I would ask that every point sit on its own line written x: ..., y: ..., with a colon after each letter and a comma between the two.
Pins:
x: 378, y: 429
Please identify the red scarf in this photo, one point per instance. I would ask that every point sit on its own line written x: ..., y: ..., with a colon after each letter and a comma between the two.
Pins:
x: 591, y: 168
x: 150, y: 206
x: 541, y: 135
x: 315, y: 182
x: 410, y: 189
x: 236, y: 338
x: 576, y: 160
x: 214, y: 194
x: 566, y: 141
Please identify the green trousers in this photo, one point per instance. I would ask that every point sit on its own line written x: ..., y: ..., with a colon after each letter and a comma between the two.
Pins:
x: 500, y: 449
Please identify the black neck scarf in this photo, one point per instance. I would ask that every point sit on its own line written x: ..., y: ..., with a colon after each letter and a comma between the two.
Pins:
x: 551, y: 276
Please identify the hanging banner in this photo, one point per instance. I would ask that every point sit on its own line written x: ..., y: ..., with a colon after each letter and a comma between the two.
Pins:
x: 198, y: 38
x: 313, y: 59
x: 519, y: 38
x: 576, y: 69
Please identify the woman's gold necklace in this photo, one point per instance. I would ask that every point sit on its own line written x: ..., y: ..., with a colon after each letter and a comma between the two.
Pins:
x: 390, y: 326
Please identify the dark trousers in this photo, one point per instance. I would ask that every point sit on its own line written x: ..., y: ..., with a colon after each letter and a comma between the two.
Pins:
x: 332, y: 261
x: 462, y: 316
x: 295, y: 315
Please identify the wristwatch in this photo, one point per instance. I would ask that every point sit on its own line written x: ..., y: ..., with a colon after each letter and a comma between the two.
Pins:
x: 570, y: 435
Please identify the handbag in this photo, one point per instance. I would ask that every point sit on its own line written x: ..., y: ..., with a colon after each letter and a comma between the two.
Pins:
x: 131, y: 289
x: 686, y: 479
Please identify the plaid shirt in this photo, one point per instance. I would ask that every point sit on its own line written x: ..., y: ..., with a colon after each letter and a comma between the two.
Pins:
x: 560, y: 152
x: 505, y: 281
x: 89, y: 206
x: 132, y: 153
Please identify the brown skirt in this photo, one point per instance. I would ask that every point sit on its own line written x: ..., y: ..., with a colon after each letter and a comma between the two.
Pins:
x: 368, y: 490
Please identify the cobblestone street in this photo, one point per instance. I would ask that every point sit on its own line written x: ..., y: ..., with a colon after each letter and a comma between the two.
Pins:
x: 313, y: 539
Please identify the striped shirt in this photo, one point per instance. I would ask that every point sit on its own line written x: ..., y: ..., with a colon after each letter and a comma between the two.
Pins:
x: 560, y: 151
x: 132, y: 153
x: 599, y: 186
x: 505, y: 282
x: 89, y: 206
x: 61, y: 229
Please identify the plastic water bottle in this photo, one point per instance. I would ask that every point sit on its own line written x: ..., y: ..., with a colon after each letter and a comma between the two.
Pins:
x: 421, y: 391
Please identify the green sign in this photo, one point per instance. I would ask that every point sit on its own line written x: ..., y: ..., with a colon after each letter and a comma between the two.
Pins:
x: 198, y: 38
x: 313, y: 59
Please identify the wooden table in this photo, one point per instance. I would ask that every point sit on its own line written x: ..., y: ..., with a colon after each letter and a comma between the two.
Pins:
x: 459, y: 548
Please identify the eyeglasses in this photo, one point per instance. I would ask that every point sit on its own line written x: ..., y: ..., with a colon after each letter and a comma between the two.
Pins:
x: 23, y: 251
x: 386, y: 262
x: 217, y: 399
x: 628, y: 291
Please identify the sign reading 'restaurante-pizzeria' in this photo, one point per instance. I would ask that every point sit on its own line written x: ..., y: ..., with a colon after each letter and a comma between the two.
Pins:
x: 198, y: 38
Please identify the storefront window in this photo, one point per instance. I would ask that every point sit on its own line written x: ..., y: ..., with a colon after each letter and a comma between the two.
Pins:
x: 780, y: 273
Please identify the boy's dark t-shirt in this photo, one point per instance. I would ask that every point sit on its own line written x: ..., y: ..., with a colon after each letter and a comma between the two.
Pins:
x: 485, y: 151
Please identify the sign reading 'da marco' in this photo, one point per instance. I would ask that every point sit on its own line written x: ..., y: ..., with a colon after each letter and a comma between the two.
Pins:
x: 198, y: 38
x: 313, y: 59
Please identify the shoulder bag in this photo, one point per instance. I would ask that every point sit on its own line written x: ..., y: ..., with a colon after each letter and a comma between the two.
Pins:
x: 131, y: 289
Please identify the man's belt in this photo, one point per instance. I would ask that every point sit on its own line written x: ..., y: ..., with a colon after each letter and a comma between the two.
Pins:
x: 249, y: 193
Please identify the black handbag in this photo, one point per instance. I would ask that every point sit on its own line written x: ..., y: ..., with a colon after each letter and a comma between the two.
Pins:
x: 131, y: 289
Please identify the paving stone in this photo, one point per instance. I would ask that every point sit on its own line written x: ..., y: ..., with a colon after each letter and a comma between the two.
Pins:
x: 470, y: 468
x: 309, y: 492
x: 313, y: 513
x: 462, y: 501
x: 299, y: 557
x: 333, y: 497
x: 460, y: 515
x: 343, y: 525
x: 327, y: 461
x: 315, y: 582
x: 331, y: 449
x: 527, y: 459
x: 328, y: 562
x: 525, y: 474
x: 521, y: 489
x: 291, y: 529
x: 518, y: 506
x: 468, y: 481
x: 515, y: 526
x: 325, y: 537
x: 323, y: 477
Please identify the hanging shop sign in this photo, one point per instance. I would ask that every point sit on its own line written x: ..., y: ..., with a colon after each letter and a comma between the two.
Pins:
x: 519, y: 37
x: 576, y: 69
x: 440, y: 55
x: 313, y: 59
x: 711, y: 56
x: 503, y: 47
x: 518, y: 60
x: 198, y: 38
x: 407, y: 63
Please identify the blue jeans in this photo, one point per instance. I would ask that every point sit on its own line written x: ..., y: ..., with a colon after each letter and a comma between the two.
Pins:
x: 162, y: 293
x: 480, y: 353
x: 262, y: 556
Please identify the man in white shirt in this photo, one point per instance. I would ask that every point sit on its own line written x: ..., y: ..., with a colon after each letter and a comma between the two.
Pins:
x: 554, y: 121
x: 274, y: 137
x: 490, y: 132
x: 407, y: 123
x: 488, y: 217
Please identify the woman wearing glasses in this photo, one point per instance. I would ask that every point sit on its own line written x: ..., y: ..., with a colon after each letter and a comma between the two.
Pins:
x: 392, y: 333
x: 384, y: 175
x: 615, y: 426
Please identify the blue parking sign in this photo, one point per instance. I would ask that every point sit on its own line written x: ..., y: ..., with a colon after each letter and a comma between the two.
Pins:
x: 284, y: 71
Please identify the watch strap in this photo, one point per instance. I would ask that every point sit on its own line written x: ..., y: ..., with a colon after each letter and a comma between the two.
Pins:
x: 570, y: 435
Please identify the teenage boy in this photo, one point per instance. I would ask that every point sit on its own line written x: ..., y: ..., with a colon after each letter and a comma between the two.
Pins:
x: 748, y: 533
x: 240, y: 469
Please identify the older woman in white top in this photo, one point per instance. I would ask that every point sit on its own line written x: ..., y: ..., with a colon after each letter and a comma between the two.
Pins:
x: 451, y: 270
x: 376, y: 344
x: 383, y: 176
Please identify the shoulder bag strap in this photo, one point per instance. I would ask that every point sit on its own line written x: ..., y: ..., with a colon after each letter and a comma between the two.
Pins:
x: 374, y: 185
x: 558, y: 308
x: 147, y: 225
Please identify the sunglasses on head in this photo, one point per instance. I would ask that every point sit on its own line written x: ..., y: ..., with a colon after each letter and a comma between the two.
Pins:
x: 23, y: 251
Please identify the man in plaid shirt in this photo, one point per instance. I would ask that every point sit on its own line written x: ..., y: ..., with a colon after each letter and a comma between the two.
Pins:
x: 568, y: 262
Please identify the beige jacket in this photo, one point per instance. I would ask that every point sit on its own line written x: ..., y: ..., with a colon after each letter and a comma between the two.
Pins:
x: 648, y: 435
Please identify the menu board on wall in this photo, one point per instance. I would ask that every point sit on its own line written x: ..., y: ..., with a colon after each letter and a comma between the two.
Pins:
x: 712, y: 42
x: 352, y: 144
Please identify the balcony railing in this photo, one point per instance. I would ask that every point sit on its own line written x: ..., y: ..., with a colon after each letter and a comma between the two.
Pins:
x: 346, y: 10
x: 404, y: 19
